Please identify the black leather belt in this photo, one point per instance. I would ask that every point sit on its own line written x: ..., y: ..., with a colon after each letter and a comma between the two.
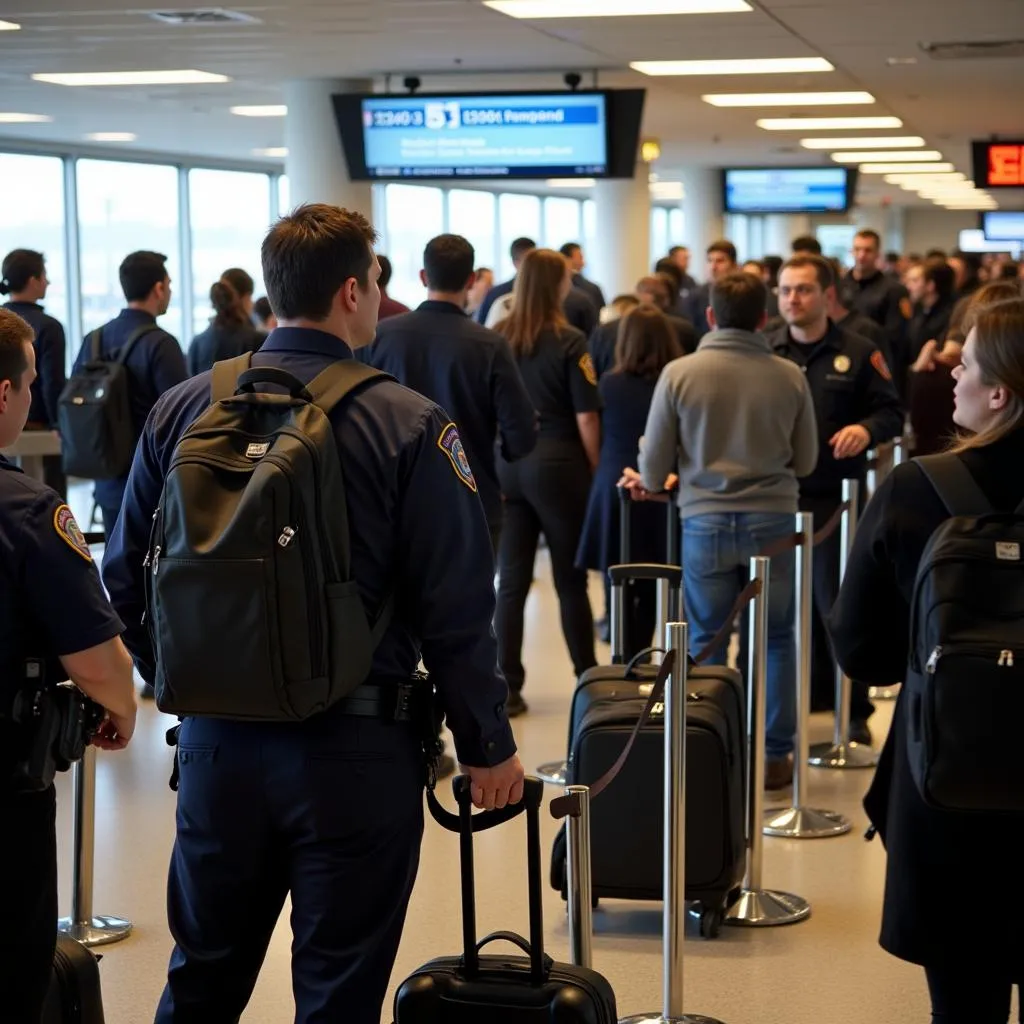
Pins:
x: 396, y: 702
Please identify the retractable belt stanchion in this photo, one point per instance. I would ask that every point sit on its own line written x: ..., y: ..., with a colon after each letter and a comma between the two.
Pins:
x: 759, y: 907
x: 841, y: 752
x: 800, y: 821
x: 674, y: 864
x: 83, y: 925
x: 578, y: 879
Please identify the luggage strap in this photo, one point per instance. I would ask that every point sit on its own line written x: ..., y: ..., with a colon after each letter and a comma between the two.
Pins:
x: 956, y: 487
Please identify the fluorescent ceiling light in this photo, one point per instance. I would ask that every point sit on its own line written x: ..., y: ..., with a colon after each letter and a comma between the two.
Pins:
x: 278, y: 151
x: 892, y: 142
x: 8, y: 26
x: 537, y: 9
x: 787, y: 99
x: 112, y: 137
x: 906, y: 156
x: 570, y: 182
x: 758, y: 66
x: 272, y: 110
x: 824, y: 124
x: 184, y: 77
x: 902, y: 179
x: 904, y: 168
x: 12, y: 118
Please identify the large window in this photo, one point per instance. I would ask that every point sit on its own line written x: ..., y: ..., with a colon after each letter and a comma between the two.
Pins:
x: 562, y: 222
x: 518, y: 217
x: 414, y: 215
x: 123, y: 207
x: 589, y: 223
x: 32, y: 217
x: 471, y: 214
x: 229, y: 212
x: 659, y: 233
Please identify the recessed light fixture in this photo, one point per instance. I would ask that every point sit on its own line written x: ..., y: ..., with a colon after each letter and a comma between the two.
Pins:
x: 182, y: 77
x: 272, y: 110
x: 787, y: 99
x: 757, y: 66
x: 881, y: 142
x: 112, y: 137
x: 906, y: 156
x: 278, y: 151
x: 13, y: 118
x: 537, y: 9
x: 824, y: 124
x: 895, y: 62
x: 571, y: 182
x: 905, y: 168
x: 9, y: 26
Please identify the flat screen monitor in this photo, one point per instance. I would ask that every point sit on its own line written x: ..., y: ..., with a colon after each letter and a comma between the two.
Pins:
x: 998, y: 164
x: 1003, y: 225
x: 788, y: 189
x: 490, y: 135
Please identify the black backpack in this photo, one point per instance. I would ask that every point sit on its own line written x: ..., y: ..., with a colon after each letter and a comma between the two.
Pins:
x: 965, y: 682
x: 250, y: 599
x: 94, y: 413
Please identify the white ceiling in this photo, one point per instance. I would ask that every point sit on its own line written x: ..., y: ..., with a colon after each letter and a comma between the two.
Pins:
x: 458, y: 44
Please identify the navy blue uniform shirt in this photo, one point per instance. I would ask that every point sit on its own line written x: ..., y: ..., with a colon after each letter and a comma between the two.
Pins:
x: 156, y: 364
x: 218, y: 343
x: 417, y: 528
x: 49, y: 344
x: 469, y: 371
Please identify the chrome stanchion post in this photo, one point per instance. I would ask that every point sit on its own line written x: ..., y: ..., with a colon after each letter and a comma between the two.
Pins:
x: 841, y: 752
x: 799, y: 821
x: 872, y: 472
x: 674, y: 850
x: 758, y: 907
x: 899, y: 456
x: 83, y: 925
x: 899, y: 451
x: 578, y: 878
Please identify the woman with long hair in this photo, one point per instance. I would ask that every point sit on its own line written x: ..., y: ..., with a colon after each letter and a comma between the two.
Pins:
x: 546, y: 492
x: 231, y: 331
x: 971, y: 958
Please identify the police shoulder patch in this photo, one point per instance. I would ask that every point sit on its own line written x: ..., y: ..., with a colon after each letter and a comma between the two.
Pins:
x: 451, y: 444
x: 880, y: 365
x: 906, y: 308
x: 586, y: 365
x: 68, y: 530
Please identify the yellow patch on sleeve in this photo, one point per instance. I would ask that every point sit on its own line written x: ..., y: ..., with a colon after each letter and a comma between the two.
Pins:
x: 586, y: 365
x: 68, y: 530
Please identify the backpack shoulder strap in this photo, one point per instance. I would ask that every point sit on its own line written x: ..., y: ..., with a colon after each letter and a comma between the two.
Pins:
x: 339, y: 379
x: 126, y: 349
x: 954, y: 485
x: 224, y: 381
x: 95, y: 343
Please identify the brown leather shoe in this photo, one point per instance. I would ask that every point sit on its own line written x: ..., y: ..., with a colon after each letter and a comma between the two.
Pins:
x: 778, y: 773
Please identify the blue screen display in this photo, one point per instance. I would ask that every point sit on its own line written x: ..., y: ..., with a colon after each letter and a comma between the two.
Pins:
x: 1004, y: 226
x: 485, y: 136
x: 786, y: 190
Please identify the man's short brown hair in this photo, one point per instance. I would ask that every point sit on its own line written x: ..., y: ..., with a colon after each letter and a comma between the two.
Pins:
x: 14, y: 334
x: 308, y: 256
x: 822, y: 268
x: 739, y: 301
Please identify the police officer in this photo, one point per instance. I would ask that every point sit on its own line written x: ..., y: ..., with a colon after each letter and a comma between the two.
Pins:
x: 155, y: 363
x: 329, y: 809
x: 55, y: 623
x: 856, y: 405
x: 23, y: 277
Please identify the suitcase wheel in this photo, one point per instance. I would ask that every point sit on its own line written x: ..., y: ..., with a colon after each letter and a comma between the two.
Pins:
x: 708, y: 919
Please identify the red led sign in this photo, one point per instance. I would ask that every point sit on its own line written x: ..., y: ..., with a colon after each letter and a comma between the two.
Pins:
x: 999, y: 164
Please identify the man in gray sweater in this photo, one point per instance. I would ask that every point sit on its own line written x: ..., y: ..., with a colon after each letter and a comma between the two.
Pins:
x: 736, y: 422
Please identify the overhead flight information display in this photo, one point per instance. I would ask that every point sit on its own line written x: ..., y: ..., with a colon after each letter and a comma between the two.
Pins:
x: 1003, y: 225
x: 787, y: 190
x: 486, y: 136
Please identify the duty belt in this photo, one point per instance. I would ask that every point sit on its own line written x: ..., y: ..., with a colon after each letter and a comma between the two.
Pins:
x: 391, y: 701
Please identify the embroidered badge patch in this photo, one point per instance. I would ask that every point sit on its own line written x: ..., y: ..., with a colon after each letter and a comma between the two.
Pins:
x: 880, y: 365
x: 451, y: 444
x: 68, y: 530
x: 841, y: 364
x: 906, y: 308
x: 587, y: 367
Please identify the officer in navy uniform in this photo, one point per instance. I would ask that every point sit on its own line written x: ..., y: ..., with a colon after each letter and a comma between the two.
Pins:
x: 328, y: 810
x: 55, y: 622
x: 856, y: 406
x: 156, y: 362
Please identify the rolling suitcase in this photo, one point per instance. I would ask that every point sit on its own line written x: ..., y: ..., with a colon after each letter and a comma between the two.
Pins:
x: 74, y: 996
x: 626, y: 821
x: 509, y: 989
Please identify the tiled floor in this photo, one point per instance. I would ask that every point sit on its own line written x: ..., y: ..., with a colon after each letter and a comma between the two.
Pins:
x: 827, y: 969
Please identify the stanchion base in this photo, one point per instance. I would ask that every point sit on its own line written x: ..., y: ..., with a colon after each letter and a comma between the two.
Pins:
x: 843, y: 755
x: 100, y: 931
x: 805, y: 823
x: 884, y: 692
x: 657, y: 1018
x: 765, y: 908
x: 554, y: 772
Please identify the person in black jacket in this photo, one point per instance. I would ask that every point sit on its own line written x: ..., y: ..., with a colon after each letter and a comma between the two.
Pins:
x: 971, y: 959
x: 573, y: 253
x: 721, y: 262
x: 931, y: 286
x: 230, y: 333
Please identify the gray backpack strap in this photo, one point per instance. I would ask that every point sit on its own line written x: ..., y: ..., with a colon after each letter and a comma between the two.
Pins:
x: 955, y: 486
x: 224, y: 382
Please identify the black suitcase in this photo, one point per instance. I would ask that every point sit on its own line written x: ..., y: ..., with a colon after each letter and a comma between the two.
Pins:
x: 74, y: 996
x: 503, y: 989
x: 626, y: 820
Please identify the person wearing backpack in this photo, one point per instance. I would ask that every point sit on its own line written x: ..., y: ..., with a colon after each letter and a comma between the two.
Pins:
x: 934, y: 597
x: 311, y: 543
x: 152, y: 358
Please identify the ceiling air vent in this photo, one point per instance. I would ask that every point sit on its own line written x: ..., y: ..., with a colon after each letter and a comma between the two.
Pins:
x: 203, y: 16
x: 975, y: 51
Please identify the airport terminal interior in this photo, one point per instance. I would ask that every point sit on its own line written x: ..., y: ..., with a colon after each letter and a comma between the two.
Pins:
x: 679, y: 122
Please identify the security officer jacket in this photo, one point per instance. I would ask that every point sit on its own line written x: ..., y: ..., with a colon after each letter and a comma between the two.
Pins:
x: 50, y: 377
x: 469, y: 371
x: 156, y: 364
x: 605, y: 336
x: 417, y: 530
x: 850, y: 383
x: 51, y: 599
x: 590, y: 289
x: 885, y: 301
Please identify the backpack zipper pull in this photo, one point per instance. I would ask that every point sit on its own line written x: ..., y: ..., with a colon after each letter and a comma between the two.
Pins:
x: 933, y: 660
x: 156, y: 559
x: 287, y: 536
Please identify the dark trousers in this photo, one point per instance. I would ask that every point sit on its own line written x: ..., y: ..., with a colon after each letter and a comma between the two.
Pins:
x: 826, y: 590
x: 328, y: 810
x: 545, y: 492
x: 30, y: 903
x: 963, y: 995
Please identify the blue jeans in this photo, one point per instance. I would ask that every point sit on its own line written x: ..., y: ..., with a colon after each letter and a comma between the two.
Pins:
x: 717, y: 549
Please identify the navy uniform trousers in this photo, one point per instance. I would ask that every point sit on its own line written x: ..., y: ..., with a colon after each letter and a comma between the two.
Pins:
x: 328, y: 810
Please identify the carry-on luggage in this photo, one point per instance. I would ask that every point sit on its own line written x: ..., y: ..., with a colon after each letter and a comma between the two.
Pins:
x: 626, y: 820
x: 506, y: 989
x: 74, y: 996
